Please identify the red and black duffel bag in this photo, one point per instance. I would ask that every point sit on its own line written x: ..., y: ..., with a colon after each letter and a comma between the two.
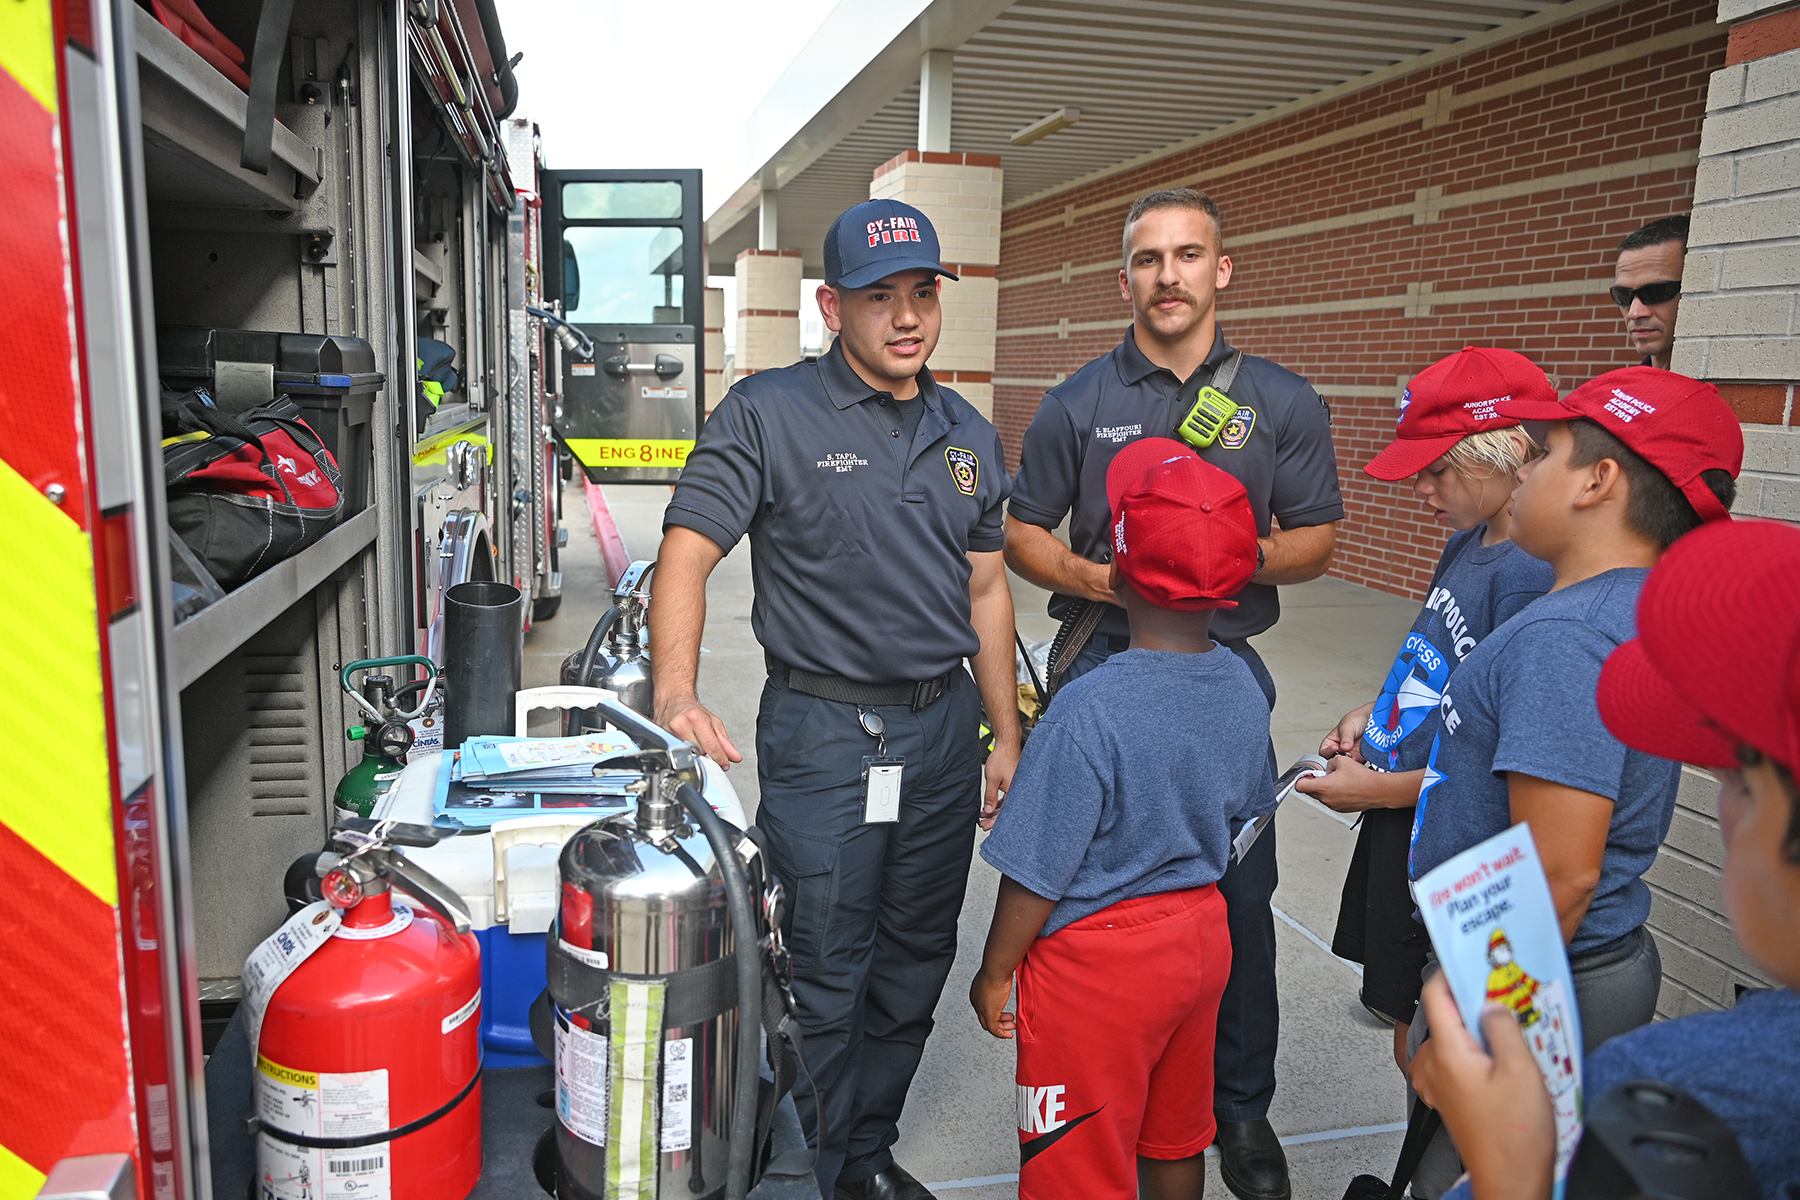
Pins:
x: 249, y: 490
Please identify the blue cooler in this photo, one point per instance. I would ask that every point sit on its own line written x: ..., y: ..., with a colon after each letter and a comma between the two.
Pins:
x: 507, y: 876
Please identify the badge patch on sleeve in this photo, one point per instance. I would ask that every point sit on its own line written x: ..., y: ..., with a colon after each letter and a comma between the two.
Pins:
x: 1237, y: 431
x: 965, y: 469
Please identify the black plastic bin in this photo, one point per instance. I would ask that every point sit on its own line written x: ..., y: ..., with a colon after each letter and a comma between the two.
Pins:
x: 332, y: 378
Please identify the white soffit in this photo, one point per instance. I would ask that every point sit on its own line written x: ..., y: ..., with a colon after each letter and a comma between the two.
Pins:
x: 1146, y: 75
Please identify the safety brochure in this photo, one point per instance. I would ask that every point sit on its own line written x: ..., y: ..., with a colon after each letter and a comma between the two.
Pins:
x: 478, y: 805
x: 517, y: 760
x: 1310, y: 766
x: 1493, y: 926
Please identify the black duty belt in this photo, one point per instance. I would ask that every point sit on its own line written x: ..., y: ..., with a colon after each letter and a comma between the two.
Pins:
x: 915, y: 696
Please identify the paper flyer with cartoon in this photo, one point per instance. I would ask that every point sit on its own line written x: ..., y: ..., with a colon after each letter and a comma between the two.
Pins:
x: 1494, y: 928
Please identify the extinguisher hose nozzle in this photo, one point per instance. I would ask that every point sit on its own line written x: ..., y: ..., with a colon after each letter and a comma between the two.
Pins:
x: 749, y: 972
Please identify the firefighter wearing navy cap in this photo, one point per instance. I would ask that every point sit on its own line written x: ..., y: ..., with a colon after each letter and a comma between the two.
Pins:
x: 872, y: 498
x: 1268, y: 428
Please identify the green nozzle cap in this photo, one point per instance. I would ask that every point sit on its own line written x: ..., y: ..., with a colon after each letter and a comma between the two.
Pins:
x: 357, y: 733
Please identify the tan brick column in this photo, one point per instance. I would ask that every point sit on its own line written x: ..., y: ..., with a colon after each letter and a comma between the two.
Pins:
x: 768, y: 316
x: 712, y: 341
x: 1739, y: 326
x: 961, y: 195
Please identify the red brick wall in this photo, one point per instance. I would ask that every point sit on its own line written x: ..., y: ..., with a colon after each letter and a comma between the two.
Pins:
x: 1602, y: 115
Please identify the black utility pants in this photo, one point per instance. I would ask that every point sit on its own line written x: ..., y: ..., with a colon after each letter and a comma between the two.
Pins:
x: 1249, y: 1013
x: 872, y: 909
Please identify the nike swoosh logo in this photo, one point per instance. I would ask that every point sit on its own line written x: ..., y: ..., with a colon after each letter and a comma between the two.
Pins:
x: 1029, y: 1150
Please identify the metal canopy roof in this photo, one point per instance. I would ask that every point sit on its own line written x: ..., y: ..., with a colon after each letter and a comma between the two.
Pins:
x: 1146, y: 75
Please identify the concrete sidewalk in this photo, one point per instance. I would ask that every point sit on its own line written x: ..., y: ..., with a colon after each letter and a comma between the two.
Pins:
x: 1339, y: 1100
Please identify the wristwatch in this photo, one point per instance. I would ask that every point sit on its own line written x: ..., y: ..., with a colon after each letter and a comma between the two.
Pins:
x: 1261, y: 558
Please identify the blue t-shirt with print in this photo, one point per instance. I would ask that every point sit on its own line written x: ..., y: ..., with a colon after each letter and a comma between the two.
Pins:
x: 1110, y: 801
x: 1475, y: 590
x: 1743, y: 1064
x: 1524, y: 700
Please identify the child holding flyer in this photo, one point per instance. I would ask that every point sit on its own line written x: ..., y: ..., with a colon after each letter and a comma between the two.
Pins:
x: 1713, y: 678
x: 1633, y: 460
x: 1117, y: 827
x: 1464, y: 459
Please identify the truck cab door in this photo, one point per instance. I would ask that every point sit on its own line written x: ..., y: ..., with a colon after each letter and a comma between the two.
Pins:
x: 631, y: 279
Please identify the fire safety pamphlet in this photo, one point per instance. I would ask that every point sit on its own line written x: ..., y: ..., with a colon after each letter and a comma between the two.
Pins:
x: 1493, y: 927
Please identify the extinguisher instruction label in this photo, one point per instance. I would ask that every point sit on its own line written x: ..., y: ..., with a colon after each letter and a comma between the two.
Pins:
x: 583, y: 1081
x: 678, y: 1094
x: 321, y: 1104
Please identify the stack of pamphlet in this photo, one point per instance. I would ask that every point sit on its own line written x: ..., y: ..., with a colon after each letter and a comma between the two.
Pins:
x: 498, y: 778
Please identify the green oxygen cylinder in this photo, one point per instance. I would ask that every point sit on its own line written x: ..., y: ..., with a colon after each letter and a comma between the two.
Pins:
x: 384, y: 754
x: 369, y: 780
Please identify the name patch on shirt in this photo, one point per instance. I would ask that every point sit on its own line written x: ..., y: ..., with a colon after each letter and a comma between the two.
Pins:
x: 1117, y: 433
x: 1237, y: 431
x: 842, y: 462
x: 965, y: 469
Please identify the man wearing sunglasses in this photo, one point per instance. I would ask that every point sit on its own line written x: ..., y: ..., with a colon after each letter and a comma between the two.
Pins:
x: 1647, y: 287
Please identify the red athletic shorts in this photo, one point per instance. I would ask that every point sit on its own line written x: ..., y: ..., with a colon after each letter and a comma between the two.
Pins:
x: 1117, y: 1014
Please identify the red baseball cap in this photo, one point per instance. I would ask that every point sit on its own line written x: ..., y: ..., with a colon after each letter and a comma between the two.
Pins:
x: 1183, y: 532
x: 1451, y: 399
x: 1717, y: 657
x: 1679, y: 425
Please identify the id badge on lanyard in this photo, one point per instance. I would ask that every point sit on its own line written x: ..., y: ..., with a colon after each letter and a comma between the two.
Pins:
x: 880, y: 773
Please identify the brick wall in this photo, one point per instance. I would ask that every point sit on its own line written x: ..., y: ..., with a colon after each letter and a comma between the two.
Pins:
x: 1476, y: 200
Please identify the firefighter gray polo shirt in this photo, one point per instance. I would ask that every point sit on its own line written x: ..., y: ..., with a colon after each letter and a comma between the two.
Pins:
x: 859, y: 540
x: 1278, y: 445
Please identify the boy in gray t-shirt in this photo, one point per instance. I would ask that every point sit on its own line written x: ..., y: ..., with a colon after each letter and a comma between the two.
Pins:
x: 1633, y: 460
x: 1463, y: 458
x: 1111, y: 841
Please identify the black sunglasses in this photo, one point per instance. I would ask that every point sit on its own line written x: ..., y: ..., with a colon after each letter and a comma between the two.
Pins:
x: 1651, y: 293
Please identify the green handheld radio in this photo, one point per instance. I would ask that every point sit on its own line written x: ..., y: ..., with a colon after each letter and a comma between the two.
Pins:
x: 1201, y: 426
x: 1212, y: 408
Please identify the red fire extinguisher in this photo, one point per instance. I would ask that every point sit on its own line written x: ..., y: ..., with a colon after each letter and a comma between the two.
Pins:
x: 364, y: 1025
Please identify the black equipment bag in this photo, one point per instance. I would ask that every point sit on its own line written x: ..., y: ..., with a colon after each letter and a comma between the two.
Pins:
x: 246, y: 491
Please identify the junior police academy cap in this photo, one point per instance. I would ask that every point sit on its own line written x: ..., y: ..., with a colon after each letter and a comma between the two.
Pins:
x: 1717, y: 656
x: 1679, y: 425
x: 1183, y: 532
x: 879, y: 238
x: 1451, y: 399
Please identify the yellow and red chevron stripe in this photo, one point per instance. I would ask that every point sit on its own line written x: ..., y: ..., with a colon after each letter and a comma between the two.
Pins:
x: 65, y: 1070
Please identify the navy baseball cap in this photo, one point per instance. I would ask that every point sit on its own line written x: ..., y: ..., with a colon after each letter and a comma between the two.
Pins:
x: 876, y: 239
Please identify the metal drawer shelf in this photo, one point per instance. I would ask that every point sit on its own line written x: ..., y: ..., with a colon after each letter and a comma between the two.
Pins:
x: 205, y: 639
x: 194, y: 133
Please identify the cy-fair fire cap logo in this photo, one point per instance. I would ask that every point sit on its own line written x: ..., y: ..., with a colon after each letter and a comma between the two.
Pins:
x: 965, y: 469
x: 879, y: 238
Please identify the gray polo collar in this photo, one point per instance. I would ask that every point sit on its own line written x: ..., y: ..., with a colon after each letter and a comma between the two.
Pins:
x: 846, y: 387
x: 1134, y: 367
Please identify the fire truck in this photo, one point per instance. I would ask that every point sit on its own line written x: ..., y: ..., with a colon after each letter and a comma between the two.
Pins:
x: 254, y: 198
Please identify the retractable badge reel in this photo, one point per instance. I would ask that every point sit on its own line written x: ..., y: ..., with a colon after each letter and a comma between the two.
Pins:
x: 880, y: 773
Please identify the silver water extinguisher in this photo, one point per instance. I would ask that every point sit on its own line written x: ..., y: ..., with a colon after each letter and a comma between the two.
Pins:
x: 617, y: 654
x: 656, y: 984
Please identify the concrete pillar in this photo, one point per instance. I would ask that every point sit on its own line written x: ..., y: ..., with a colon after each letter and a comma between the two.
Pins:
x: 713, y: 347
x: 768, y: 235
x: 934, y: 100
x: 768, y: 316
x: 961, y: 195
x: 1739, y: 324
